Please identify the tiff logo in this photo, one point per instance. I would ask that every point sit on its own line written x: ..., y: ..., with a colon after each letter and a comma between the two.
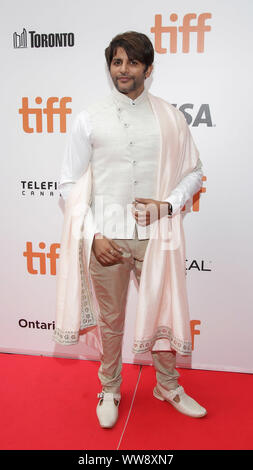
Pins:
x: 20, y: 40
x: 186, y: 29
x: 196, y: 198
x: 50, y: 110
x: 194, y: 331
x: 31, y: 255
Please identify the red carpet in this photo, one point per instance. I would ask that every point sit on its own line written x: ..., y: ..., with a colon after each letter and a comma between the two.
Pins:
x: 50, y: 403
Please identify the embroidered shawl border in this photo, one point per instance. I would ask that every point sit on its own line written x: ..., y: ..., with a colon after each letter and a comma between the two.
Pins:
x: 70, y: 337
x: 163, y: 332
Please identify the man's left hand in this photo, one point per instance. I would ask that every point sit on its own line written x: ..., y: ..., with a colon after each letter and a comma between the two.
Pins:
x: 146, y: 211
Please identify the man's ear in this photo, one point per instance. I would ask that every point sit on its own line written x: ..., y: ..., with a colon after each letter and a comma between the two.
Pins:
x: 149, y: 71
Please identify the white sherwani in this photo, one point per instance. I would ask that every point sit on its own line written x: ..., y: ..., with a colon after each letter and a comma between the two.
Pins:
x: 168, y: 169
x: 120, y: 137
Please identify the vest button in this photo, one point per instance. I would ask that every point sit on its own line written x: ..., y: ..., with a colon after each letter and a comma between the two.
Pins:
x: 134, y: 162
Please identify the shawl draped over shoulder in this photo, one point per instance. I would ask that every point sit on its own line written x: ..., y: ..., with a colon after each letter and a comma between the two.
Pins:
x: 162, y: 315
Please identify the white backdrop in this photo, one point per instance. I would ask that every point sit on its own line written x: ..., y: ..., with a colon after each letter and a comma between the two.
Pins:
x: 213, y: 87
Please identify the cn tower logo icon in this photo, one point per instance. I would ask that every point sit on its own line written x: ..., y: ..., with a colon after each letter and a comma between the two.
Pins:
x: 35, y: 40
x: 20, y: 40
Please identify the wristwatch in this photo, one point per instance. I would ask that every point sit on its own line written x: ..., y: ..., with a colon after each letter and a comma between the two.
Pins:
x: 170, y: 208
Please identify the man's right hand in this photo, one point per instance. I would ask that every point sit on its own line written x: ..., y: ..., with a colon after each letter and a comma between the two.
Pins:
x: 106, y: 251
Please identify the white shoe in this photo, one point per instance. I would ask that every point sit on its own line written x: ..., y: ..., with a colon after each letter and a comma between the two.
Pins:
x: 184, y: 403
x: 107, y: 409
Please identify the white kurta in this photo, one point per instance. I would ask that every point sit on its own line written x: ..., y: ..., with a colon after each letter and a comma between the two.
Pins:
x: 120, y: 137
x: 162, y: 317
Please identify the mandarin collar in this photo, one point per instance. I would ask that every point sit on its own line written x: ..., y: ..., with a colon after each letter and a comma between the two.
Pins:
x: 122, y: 99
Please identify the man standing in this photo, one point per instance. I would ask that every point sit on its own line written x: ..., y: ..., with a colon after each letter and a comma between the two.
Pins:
x: 126, y: 150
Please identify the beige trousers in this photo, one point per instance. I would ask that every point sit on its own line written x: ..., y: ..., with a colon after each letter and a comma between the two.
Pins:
x: 111, y: 286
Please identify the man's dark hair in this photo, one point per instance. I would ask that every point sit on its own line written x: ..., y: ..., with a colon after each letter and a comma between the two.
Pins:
x: 137, y: 46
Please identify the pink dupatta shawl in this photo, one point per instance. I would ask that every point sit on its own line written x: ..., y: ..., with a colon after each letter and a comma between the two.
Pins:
x: 162, y: 316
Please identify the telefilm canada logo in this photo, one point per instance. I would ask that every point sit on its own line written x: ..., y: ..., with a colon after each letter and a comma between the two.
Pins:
x: 37, y: 188
x: 33, y: 39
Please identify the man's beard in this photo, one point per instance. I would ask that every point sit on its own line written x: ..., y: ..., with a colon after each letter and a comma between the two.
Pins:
x: 131, y: 87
